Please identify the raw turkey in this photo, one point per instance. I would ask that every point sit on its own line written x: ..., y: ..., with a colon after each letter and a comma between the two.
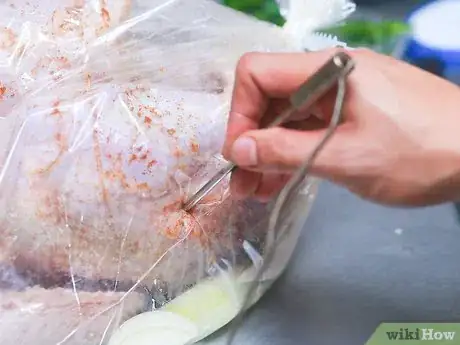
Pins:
x: 112, y: 113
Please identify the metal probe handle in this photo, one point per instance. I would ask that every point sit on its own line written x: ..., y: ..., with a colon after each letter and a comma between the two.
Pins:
x: 339, y: 66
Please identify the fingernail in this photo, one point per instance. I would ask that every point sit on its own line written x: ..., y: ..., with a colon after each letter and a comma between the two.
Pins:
x: 244, y: 152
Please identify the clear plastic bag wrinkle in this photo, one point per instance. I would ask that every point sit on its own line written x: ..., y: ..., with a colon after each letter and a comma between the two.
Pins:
x: 112, y: 113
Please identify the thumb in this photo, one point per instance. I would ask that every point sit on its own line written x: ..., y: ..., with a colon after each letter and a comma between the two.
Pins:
x: 282, y: 149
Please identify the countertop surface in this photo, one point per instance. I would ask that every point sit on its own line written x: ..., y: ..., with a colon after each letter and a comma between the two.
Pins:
x: 358, y: 264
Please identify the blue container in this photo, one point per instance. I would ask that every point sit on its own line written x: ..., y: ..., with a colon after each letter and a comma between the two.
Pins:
x: 434, y: 43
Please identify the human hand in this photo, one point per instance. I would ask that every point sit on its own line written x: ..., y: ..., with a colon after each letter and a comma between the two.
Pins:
x: 399, y: 142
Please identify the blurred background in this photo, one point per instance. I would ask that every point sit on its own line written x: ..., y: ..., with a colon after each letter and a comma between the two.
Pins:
x: 388, y: 26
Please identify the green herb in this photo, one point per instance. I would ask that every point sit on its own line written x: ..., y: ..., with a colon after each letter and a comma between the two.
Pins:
x: 368, y: 33
x: 266, y: 10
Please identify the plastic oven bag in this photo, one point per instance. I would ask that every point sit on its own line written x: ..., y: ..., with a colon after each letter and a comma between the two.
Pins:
x: 111, y: 113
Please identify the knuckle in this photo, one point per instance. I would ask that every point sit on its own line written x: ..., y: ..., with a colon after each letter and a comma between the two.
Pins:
x: 247, y: 62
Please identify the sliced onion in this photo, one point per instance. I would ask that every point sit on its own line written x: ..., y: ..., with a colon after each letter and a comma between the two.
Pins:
x: 210, y: 305
x: 192, y: 316
x: 155, y: 328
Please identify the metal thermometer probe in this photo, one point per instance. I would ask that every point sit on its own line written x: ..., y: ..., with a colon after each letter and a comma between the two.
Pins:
x: 339, y: 66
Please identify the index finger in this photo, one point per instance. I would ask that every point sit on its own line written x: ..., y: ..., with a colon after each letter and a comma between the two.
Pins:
x: 264, y: 76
